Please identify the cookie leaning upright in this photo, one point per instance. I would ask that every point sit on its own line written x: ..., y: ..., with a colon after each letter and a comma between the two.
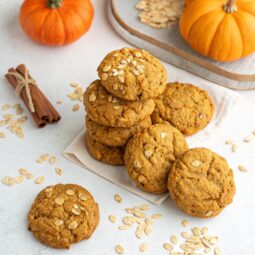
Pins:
x: 106, y: 109
x: 132, y: 74
x: 201, y: 183
x: 185, y: 106
x: 149, y: 156
x: 62, y: 215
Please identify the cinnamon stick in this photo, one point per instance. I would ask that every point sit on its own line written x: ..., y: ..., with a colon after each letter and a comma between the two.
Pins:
x: 44, y: 111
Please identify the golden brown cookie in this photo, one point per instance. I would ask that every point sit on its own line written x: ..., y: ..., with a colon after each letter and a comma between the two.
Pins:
x: 62, y: 215
x: 114, y: 136
x: 185, y: 106
x: 150, y: 155
x: 201, y: 183
x: 108, y: 110
x: 107, y: 154
x: 132, y: 74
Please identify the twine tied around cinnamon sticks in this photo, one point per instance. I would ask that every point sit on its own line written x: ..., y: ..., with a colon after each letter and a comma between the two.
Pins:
x: 23, y: 83
x: 42, y: 111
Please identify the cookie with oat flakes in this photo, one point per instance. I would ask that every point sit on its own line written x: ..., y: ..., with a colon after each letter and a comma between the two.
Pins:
x: 107, y: 154
x: 132, y: 74
x: 62, y: 215
x: 185, y: 106
x: 105, y: 109
x: 201, y: 183
x: 150, y: 155
x: 114, y: 136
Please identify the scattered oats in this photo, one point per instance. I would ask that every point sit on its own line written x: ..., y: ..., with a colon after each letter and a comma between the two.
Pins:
x: 8, y: 116
x: 76, y: 211
x: 207, y: 249
x: 242, y: 168
x: 119, y: 249
x: 76, y: 108
x: 3, y: 123
x: 234, y: 148
x: 74, y: 85
x: 148, y: 153
x: 104, y: 76
x: 185, y: 235
x: 82, y: 197
x: 196, y: 231
x: 58, y: 222
x: 149, y: 221
x: 112, y: 218
x: 19, y: 179
x: 52, y: 160
x: 59, y: 200
x: 129, y: 210
x: 213, y: 240
x: 143, y: 247
x: 124, y: 227
x: 195, y: 163
x: 185, y: 223
x: 19, y: 110
x: 253, y: 132
x: 39, y: 180
x: 217, y: 251
x: 5, y: 107
x: 70, y: 192
x: 163, y: 135
x: 204, y: 230
x: 58, y: 171
x: 144, y: 207
x: 59, y: 102
x: 8, y: 180
x: 106, y: 69
x: 43, y: 157
x: 168, y: 246
x: 139, y: 234
x: 23, y: 171
x: 73, y: 225
x: 174, y: 239
x: 116, y: 107
x: 148, y: 230
x: 2, y: 135
x: 156, y: 216
x: 29, y: 176
x: 248, y: 138
x: 229, y: 142
x: 92, y: 97
x: 118, y: 198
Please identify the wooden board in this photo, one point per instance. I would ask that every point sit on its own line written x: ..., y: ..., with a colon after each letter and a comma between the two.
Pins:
x: 168, y: 45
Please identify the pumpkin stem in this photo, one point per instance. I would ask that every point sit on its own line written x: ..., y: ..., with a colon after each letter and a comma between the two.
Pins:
x: 230, y: 6
x: 54, y: 3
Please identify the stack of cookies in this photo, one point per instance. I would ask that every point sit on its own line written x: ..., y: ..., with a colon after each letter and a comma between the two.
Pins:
x: 120, y: 104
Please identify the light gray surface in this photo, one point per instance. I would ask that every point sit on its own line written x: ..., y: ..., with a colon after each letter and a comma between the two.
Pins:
x: 129, y: 14
x: 54, y: 69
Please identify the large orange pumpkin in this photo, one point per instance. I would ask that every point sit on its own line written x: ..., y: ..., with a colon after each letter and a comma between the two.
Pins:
x: 223, y: 30
x: 56, y: 22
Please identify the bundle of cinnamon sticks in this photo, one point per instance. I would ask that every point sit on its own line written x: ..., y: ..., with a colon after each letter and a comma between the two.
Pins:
x: 42, y: 111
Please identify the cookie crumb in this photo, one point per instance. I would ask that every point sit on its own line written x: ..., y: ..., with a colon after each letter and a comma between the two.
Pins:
x: 242, y: 168
x: 185, y: 223
x: 112, y: 218
x: 118, y: 198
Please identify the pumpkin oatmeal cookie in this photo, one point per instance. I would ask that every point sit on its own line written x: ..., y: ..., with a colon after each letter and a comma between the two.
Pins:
x: 107, y: 154
x: 62, y: 215
x: 201, y: 183
x: 185, y: 106
x: 114, y: 136
x: 105, y: 109
x: 132, y: 74
x: 150, y: 155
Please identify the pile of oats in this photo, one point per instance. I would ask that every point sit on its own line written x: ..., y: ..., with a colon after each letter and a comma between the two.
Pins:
x: 195, y: 242
x: 160, y: 13
x: 14, y: 125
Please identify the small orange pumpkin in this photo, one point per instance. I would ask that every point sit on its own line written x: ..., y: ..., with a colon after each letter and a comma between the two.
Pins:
x: 223, y: 30
x: 56, y: 22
